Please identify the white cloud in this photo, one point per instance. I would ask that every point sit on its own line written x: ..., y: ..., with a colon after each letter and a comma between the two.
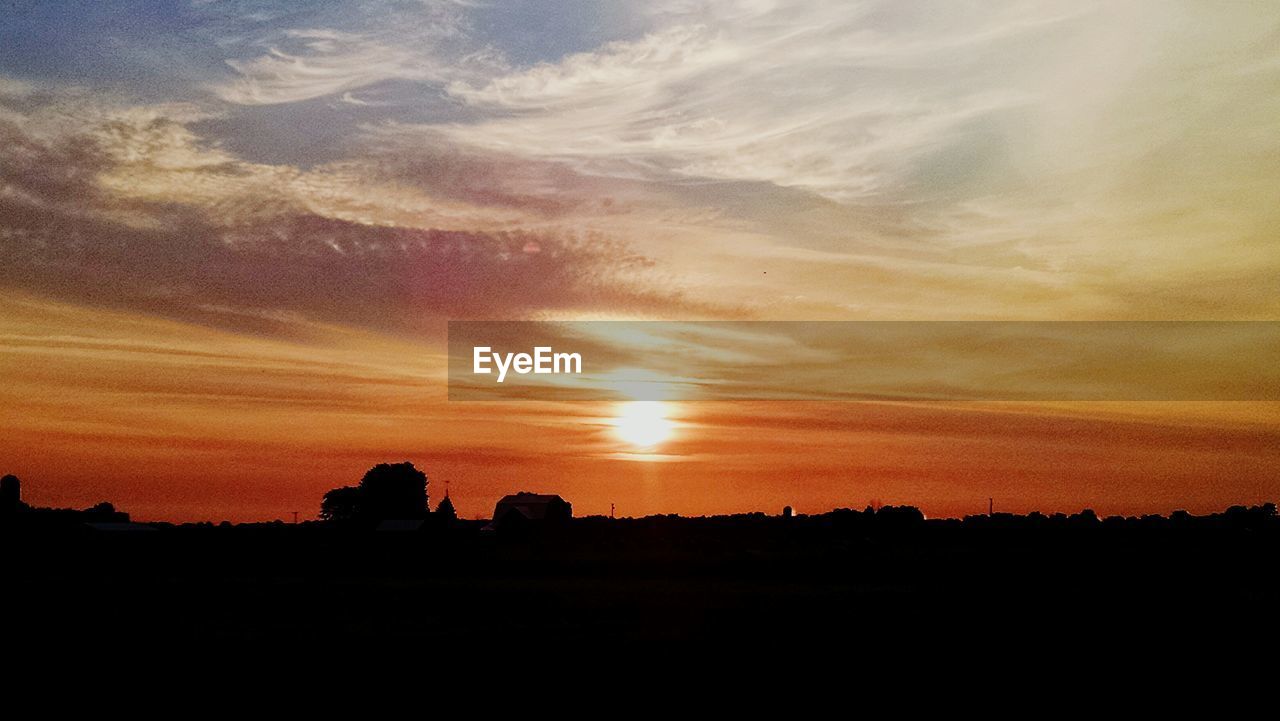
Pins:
x: 839, y: 98
x: 347, y: 49
x: 1059, y: 159
x: 326, y: 63
x: 871, y: 101
x: 12, y: 87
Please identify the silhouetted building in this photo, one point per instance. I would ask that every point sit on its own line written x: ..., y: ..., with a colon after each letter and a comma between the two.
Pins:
x: 445, y: 512
x: 536, y: 507
x: 105, y: 513
x: 10, y: 494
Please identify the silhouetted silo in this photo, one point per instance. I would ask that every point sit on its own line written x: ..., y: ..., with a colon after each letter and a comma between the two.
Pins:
x: 10, y: 494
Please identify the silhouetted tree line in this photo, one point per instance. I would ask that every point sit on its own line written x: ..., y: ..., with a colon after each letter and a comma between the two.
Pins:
x: 907, y: 519
x: 398, y: 491
x: 13, y: 510
x: 1246, y: 517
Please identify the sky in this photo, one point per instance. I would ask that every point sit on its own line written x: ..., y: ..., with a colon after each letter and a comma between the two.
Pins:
x: 232, y: 235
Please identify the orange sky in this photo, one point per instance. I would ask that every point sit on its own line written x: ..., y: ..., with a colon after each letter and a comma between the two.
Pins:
x: 179, y: 422
x: 230, y: 242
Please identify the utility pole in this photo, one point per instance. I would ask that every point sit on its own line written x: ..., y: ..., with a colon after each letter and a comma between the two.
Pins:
x: 991, y: 506
x: 611, y: 511
x: 295, y: 517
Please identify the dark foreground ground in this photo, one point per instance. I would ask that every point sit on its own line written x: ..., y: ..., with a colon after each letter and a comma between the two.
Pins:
x: 826, y: 582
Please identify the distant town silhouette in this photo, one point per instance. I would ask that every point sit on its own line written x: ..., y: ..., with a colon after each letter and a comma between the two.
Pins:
x: 393, y: 496
x: 380, y: 568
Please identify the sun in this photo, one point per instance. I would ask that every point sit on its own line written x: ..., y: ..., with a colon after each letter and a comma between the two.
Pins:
x: 643, y: 424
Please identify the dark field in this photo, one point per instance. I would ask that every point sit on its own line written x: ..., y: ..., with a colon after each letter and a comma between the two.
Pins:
x: 743, y: 581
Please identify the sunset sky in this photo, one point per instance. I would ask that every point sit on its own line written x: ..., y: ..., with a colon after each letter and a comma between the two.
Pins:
x: 232, y: 235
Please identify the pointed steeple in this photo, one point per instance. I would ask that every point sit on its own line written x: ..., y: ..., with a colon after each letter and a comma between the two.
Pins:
x: 446, y: 510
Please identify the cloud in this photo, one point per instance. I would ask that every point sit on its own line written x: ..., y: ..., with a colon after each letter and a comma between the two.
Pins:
x: 327, y: 63
x: 1052, y: 149
x: 866, y: 101
x: 12, y: 87
x: 132, y: 209
x: 427, y: 43
x: 834, y: 97
x: 786, y: 159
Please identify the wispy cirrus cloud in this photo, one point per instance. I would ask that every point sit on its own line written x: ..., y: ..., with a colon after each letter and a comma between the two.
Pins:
x: 128, y: 207
x: 346, y: 50
x: 839, y: 98
x: 1052, y: 146
x: 324, y: 62
x: 812, y: 160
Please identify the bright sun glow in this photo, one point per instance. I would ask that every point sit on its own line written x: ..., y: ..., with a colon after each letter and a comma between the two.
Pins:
x: 643, y: 424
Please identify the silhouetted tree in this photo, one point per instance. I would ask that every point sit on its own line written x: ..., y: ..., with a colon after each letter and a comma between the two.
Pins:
x: 394, y: 490
x: 899, y: 516
x: 341, y: 504
x: 387, y: 491
x: 1250, y: 517
x: 1087, y: 517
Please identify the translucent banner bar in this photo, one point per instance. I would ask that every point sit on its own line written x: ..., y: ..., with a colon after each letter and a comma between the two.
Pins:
x: 871, y: 360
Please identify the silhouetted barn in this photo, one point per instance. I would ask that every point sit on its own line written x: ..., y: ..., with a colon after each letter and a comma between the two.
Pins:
x: 521, y: 508
x: 10, y: 494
